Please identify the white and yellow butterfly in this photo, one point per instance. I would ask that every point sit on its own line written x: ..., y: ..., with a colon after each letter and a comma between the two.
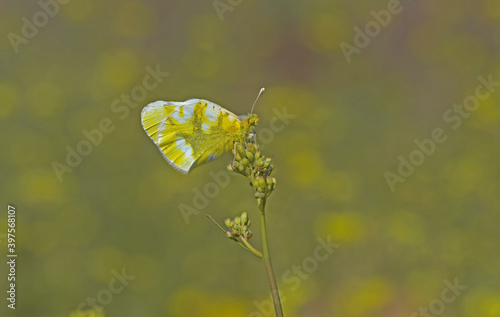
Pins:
x: 194, y: 131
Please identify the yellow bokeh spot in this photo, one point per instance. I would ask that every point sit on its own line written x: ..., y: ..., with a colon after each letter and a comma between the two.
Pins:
x: 341, y: 227
x: 78, y: 10
x: 37, y: 186
x: 118, y: 68
x: 305, y: 167
x: 46, y: 99
x: 293, y: 299
x: 135, y: 19
x: 181, y: 303
x: 367, y: 298
x: 488, y: 112
x: 482, y: 302
x: 464, y: 175
x: 208, y: 304
x: 324, y: 31
x: 87, y: 313
x: 406, y: 228
x: 10, y: 99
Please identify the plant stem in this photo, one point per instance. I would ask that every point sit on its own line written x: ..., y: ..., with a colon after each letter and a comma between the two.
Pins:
x: 251, y: 248
x: 267, y: 259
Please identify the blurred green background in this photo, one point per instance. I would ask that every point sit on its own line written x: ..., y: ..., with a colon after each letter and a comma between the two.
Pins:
x: 119, y: 208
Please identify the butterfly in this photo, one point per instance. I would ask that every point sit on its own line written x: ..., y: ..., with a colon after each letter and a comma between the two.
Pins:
x: 195, y: 131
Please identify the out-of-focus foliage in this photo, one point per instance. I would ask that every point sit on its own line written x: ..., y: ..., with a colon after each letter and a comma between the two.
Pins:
x: 119, y: 208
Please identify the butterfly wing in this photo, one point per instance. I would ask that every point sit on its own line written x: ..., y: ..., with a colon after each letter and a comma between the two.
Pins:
x: 190, y: 132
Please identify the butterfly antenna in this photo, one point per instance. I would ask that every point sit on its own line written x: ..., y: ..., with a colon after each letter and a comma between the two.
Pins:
x: 260, y: 93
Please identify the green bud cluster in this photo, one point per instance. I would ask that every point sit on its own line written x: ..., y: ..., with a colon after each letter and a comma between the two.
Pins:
x: 239, y: 227
x: 250, y: 162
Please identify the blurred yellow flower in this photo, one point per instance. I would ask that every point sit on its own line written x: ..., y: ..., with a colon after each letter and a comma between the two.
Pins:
x: 193, y: 302
x: 39, y: 185
x: 323, y: 31
x: 341, y: 226
x: 366, y: 298
x: 488, y: 112
x: 78, y: 10
x: 89, y: 313
x: 481, y: 302
x: 10, y: 98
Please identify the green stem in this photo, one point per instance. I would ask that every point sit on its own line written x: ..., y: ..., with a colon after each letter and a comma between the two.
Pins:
x: 267, y: 260
x: 251, y: 248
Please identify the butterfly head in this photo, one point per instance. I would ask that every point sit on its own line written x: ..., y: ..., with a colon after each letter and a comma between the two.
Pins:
x: 248, y: 123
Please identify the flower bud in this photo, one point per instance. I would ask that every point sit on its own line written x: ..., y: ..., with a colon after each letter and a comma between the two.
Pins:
x: 241, y: 150
x: 258, y: 195
x: 228, y: 222
x: 262, y: 181
x: 260, y: 162
x: 252, y: 147
x: 244, y: 217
